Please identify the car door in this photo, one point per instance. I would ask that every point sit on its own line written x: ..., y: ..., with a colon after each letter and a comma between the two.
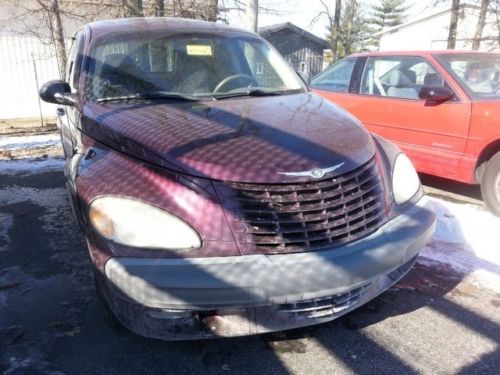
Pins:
x: 337, y: 83
x: 68, y: 116
x: 434, y: 135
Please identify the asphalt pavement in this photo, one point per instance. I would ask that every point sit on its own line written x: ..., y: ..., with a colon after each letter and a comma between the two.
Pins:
x: 433, y: 322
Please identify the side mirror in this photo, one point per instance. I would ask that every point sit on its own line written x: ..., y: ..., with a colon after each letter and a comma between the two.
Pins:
x: 57, y: 92
x: 435, y: 94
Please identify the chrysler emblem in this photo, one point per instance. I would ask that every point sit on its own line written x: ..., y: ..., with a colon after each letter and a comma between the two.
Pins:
x: 314, y: 173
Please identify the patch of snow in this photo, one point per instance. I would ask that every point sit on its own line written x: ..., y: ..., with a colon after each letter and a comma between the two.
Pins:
x: 11, y: 143
x: 466, y: 239
x: 55, y: 204
x: 31, y: 165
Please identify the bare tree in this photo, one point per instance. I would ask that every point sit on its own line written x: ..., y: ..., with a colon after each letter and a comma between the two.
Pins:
x: 132, y: 8
x: 48, y: 20
x: 156, y: 8
x: 333, y: 19
x: 336, y: 28
x: 349, y: 16
x: 452, y: 33
x: 213, y: 10
x: 480, y: 24
x: 57, y: 32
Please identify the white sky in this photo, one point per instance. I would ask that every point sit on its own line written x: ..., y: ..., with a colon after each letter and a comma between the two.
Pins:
x: 302, y: 12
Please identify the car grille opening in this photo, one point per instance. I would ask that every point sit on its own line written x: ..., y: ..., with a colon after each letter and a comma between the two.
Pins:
x: 314, y: 215
x: 324, y: 307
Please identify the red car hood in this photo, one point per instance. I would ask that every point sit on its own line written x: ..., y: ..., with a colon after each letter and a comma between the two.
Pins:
x: 244, y: 140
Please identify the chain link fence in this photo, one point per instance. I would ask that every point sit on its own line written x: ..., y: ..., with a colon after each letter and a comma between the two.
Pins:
x: 25, y: 64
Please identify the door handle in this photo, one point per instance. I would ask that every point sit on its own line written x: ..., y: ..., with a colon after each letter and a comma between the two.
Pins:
x: 60, y: 111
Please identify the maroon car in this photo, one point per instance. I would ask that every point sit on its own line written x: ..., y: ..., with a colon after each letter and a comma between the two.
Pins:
x: 217, y: 195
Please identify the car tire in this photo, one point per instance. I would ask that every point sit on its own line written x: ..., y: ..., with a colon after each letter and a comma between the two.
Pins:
x: 490, y: 184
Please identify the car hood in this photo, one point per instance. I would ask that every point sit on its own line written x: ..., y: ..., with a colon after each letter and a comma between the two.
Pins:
x: 244, y: 140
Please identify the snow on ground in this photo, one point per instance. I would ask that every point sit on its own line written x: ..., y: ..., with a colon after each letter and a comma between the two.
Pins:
x: 9, y: 143
x: 30, y: 165
x: 466, y: 239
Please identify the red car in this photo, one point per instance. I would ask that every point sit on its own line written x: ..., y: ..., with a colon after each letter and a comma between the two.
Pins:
x: 441, y: 107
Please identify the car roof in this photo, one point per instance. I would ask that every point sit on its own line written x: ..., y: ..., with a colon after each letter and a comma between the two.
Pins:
x: 416, y: 53
x: 161, y: 23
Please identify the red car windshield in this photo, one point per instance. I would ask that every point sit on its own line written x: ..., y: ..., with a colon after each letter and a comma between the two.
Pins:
x: 479, y: 74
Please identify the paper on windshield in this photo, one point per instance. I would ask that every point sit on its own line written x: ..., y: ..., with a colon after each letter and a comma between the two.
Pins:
x: 199, y: 50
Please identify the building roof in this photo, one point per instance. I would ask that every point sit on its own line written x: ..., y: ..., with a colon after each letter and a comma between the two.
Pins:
x: 266, y: 31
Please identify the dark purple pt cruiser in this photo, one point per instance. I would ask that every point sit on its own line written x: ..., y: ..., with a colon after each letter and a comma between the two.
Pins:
x: 217, y: 194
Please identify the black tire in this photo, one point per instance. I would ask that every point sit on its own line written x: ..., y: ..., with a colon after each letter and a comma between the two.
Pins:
x: 490, y: 184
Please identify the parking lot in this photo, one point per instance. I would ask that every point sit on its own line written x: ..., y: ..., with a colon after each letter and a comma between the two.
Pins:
x: 442, y: 318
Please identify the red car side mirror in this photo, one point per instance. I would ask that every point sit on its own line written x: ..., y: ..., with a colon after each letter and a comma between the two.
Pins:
x: 434, y: 95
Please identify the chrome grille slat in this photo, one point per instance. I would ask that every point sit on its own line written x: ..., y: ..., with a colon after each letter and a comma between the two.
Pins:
x: 303, y: 207
x: 315, y: 215
x: 313, y: 225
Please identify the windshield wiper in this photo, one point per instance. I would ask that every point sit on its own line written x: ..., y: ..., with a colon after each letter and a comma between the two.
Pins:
x: 149, y: 95
x: 252, y: 92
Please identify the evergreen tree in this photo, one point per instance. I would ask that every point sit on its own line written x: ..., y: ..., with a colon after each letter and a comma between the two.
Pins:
x: 384, y: 14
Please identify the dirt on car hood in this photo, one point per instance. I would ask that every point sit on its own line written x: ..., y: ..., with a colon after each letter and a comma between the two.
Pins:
x: 245, y: 139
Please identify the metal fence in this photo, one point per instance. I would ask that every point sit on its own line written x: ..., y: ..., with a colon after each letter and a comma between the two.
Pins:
x: 25, y: 64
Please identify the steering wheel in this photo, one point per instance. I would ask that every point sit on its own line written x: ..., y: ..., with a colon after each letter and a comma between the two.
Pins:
x: 226, y: 80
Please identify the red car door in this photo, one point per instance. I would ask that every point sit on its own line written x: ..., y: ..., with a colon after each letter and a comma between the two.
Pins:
x: 386, y: 100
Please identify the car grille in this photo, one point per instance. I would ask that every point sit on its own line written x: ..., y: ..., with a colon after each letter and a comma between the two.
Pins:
x: 324, y: 307
x: 315, y: 215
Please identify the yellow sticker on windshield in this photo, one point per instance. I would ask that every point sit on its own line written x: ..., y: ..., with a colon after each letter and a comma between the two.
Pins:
x: 199, y: 50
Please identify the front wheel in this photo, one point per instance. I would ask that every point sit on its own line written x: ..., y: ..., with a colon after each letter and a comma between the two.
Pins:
x: 490, y: 185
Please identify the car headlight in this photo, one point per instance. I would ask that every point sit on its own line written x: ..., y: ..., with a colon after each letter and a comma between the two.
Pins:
x: 135, y: 223
x: 405, y: 180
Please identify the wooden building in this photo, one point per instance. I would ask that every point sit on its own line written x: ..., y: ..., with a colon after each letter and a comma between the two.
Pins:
x: 302, y: 50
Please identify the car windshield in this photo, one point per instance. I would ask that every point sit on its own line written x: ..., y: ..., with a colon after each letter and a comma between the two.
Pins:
x: 186, y: 67
x: 478, y: 73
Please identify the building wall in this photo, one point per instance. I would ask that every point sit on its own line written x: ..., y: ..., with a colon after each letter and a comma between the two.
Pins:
x: 296, y: 50
x: 432, y: 33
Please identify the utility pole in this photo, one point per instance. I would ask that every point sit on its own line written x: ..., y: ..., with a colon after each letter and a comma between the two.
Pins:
x: 252, y: 15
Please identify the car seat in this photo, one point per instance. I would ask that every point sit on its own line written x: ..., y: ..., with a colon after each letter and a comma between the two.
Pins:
x: 194, y: 75
x: 433, y: 79
x: 400, y: 86
x: 120, y: 75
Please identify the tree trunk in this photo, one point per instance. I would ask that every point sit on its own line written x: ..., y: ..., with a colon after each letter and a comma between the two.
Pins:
x: 213, y: 6
x: 132, y: 8
x: 158, y: 8
x: 452, y: 34
x: 252, y: 15
x: 58, y: 36
x: 336, y: 29
x: 350, y: 12
x: 480, y: 24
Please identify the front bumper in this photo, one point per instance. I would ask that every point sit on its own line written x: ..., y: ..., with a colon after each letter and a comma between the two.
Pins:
x: 231, y: 296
